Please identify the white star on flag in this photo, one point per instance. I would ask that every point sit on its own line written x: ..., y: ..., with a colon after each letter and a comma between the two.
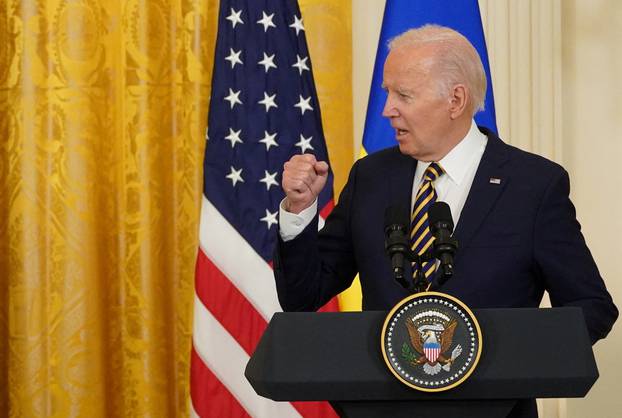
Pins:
x: 301, y: 64
x: 233, y: 98
x: 234, y: 57
x: 235, y: 176
x: 297, y: 24
x: 303, y: 104
x: 266, y: 21
x: 304, y: 144
x: 269, y: 140
x: 234, y: 137
x: 235, y: 18
x: 269, y: 179
x: 270, y: 218
x: 267, y: 61
x: 268, y: 101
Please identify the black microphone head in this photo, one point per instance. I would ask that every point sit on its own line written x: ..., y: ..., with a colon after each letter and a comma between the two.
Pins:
x: 439, y: 216
x: 396, y: 215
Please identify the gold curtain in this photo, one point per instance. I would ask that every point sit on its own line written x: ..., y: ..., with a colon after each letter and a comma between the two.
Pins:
x: 102, y: 117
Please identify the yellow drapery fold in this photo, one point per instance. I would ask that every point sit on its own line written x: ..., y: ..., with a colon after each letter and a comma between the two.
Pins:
x: 102, y: 116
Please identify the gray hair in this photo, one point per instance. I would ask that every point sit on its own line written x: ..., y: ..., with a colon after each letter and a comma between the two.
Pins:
x: 456, y: 60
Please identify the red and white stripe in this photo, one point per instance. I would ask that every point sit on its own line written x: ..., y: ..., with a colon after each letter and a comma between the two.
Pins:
x: 235, y: 297
x: 431, y: 353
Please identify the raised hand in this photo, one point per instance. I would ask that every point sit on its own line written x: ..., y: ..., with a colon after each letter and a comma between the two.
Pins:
x: 303, y: 179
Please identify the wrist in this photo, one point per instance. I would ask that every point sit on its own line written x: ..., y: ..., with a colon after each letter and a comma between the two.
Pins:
x: 295, y: 207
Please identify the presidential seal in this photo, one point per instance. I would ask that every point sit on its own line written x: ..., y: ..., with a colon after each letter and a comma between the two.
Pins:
x: 431, y: 341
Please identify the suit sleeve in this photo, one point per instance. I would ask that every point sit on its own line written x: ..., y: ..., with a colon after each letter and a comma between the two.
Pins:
x: 565, y: 262
x: 314, y: 267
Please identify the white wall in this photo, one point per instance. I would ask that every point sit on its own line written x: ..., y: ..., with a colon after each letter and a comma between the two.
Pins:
x: 592, y: 121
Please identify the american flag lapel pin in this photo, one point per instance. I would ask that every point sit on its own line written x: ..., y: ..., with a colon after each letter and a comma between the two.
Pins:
x: 494, y: 180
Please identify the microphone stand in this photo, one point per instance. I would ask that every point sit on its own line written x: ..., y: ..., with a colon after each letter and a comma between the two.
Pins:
x: 420, y: 283
x: 397, y: 247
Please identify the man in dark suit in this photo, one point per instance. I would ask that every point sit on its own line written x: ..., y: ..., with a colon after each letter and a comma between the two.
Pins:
x: 516, y: 226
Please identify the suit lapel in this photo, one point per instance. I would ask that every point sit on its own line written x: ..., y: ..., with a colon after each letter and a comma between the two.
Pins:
x: 401, y: 182
x: 489, y: 182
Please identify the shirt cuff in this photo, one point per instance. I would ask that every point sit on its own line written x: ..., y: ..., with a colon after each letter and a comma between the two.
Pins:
x: 291, y: 224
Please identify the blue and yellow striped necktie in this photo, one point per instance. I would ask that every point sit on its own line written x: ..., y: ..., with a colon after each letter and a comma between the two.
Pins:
x: 420, y: 236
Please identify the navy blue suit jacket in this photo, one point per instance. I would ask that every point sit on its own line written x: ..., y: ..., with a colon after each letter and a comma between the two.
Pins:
x: 516, y: 239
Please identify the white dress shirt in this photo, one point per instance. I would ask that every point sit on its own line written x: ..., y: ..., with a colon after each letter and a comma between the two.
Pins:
x: 453, y: 187
x: 459, y: 165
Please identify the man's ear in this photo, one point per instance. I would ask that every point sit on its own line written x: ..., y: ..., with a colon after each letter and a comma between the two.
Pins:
x: 458, y: 101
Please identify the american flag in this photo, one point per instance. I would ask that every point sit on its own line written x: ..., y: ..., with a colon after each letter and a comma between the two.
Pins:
x: 263, y: 110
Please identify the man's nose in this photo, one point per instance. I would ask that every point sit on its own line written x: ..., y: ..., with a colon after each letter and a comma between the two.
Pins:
x: 389, y: 110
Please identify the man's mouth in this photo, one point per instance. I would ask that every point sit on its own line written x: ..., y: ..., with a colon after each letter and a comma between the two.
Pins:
x: 400, y: 132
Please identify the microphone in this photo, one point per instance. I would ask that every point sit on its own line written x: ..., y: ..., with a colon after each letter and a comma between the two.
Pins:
x: 445, y: 246
x: 396, y: 241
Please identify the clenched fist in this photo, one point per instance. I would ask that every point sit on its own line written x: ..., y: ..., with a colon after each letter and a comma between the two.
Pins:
x: 303, y: 179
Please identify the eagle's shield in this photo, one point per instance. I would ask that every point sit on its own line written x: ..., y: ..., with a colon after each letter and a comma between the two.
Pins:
x: 431, y: 350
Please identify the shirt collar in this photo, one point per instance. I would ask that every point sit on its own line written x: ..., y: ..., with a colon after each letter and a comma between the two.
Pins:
x: 457, y: 162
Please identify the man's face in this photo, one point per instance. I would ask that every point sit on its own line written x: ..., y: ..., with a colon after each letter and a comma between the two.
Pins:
x: 419, y: 115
